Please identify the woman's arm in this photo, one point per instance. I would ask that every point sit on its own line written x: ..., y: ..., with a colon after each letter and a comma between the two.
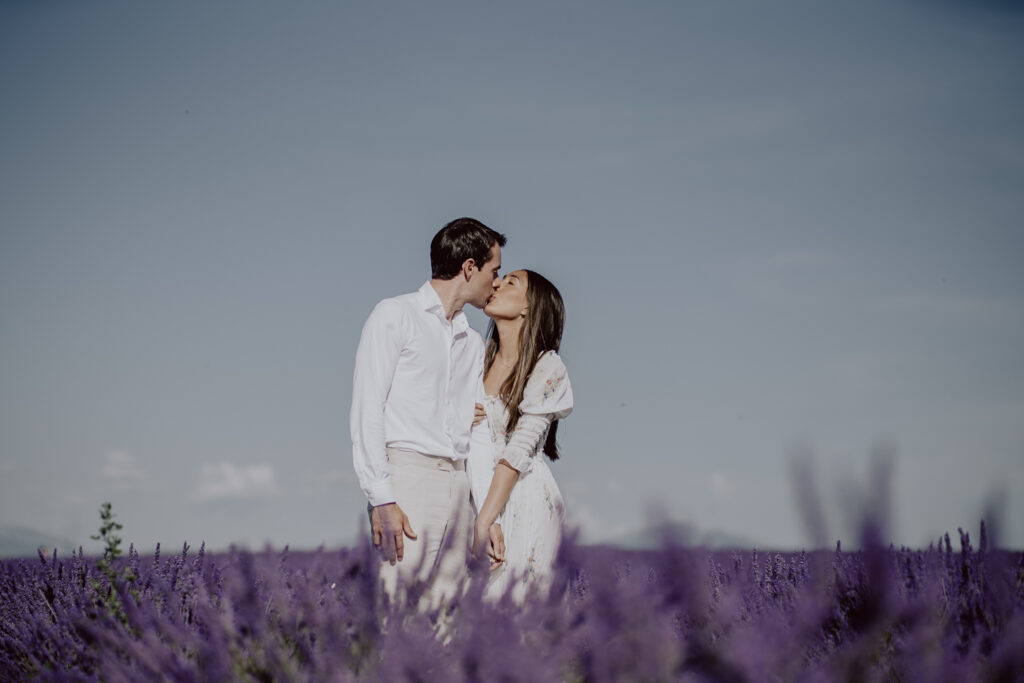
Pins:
x: 517, y: 457
x: 502, y: 481
x: 518, y: 450
x: 485, y: 530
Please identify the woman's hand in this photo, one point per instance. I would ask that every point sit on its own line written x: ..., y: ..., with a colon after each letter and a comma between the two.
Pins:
x: 491, y: 540
x: 479, y: 415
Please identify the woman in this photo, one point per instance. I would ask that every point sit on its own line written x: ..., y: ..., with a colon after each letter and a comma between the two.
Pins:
x: 527, y: 391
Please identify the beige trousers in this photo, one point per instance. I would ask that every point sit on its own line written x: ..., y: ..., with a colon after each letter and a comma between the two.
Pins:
x: 434, y: 493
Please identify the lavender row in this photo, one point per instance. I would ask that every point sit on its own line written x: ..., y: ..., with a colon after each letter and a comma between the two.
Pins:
x: 671, y: 614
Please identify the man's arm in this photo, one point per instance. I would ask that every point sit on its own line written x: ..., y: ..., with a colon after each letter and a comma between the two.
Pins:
x: 380, y: 345
x: 480, y: 464
x: 480, y: 458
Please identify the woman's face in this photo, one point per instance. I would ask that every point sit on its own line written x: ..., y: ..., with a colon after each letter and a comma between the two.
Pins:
x: 509, y: 301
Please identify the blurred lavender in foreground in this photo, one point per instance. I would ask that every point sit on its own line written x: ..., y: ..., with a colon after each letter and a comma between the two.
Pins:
x: 672, y: 614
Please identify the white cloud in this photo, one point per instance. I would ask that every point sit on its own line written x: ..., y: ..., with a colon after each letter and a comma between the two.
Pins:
x: 592, y: 525
x: 327, y: 483
x: 121, y: 468
x: 586, y: 519
x: 227, y: 481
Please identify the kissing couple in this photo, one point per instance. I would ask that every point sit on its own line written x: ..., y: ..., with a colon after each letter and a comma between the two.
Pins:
x: 449, y: 432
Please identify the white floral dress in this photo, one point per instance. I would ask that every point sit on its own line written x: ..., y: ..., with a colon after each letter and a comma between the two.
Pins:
x: 533, y: 517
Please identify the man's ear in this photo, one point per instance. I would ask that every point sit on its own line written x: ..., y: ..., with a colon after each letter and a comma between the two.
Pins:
x: 467, y: 268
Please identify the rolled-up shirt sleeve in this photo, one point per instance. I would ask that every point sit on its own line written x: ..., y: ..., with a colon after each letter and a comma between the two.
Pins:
x: 546, y: 398
x: 380, y: 345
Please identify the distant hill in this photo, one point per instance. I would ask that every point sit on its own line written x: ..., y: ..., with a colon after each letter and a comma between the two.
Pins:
x: 22, y: 542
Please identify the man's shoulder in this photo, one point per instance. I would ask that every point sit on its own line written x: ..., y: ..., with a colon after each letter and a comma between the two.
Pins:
x: 400, y: 304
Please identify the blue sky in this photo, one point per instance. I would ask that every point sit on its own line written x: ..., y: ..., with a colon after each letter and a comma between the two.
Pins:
x: 778, y: 228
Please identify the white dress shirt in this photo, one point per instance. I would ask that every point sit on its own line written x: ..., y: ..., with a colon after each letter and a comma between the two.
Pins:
x: 416, y: 379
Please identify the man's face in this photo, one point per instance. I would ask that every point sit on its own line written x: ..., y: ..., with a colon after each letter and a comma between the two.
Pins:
x: 485, y: 279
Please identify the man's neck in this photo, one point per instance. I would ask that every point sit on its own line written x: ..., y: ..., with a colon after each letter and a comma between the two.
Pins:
x: 448, y: 292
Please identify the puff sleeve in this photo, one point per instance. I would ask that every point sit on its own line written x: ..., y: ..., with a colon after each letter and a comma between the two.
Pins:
x: 546, y: 398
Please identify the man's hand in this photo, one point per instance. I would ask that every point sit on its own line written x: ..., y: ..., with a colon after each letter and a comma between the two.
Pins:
x: 478, y: 414
x: 494, y: 540
x: 389, y: 524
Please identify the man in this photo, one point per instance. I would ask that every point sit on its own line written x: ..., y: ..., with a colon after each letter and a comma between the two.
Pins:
x: 418, y: 375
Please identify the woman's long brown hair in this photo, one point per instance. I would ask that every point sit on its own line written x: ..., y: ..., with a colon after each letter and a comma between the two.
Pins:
x: 542, y: 331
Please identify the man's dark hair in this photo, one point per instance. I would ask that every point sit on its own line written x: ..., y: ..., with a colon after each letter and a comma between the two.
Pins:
x: 463, y: 238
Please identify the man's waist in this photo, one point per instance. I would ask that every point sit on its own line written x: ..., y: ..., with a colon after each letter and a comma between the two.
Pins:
x: 441, y: 446
x: 415, y: 458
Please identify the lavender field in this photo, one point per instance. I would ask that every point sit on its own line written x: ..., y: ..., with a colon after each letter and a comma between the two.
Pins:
x: 949, y: 613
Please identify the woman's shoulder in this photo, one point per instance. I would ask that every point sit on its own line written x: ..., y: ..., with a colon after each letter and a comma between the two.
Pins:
x: 548, y: 389
x: 549, y: 363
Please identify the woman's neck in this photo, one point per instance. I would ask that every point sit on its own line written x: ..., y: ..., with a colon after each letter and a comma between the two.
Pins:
x: 508, y: 341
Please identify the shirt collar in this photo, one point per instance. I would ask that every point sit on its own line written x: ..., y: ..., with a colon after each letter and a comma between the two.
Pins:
x: 432, y: 303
